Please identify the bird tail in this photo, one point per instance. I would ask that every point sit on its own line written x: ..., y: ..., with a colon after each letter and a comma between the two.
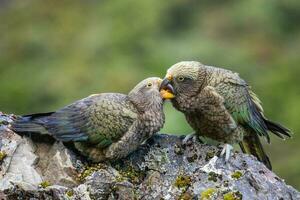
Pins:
x: 277, y: 129
x: 30, y: 125
x: 252, y: 145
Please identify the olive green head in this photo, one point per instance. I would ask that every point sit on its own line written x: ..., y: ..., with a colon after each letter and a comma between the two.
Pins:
x: 145, y: 95
x: 184, y: 79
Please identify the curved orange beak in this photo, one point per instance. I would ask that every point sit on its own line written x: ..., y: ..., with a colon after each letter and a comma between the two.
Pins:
x: 166, y: 89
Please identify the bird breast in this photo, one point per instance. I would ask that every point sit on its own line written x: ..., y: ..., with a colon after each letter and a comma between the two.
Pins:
x: 153, y: 121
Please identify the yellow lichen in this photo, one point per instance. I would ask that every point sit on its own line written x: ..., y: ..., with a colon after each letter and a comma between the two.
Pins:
x: 2, y: 155
x: 120, y: 179
x: 69, y: 193
x: 209, y: 155
x: 178, y: 150
x: 182, y: 181
x: 89, y: 170
x: 237, y: 175
x: 130, y: 173
x: 207, y: 194
x: 45, y: 184
x: 233, y: 196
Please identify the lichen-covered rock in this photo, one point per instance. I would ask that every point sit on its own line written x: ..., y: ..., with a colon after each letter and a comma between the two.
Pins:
x: 162, y: 168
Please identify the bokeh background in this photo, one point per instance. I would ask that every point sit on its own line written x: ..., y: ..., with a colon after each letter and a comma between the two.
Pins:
x: 53, y: 52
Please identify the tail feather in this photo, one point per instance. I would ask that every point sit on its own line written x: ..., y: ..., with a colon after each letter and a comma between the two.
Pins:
x: 252, y: 145
x: 37, y: 115
x: 277, y: 129
x: 262, y: 122
x: 30, y: 124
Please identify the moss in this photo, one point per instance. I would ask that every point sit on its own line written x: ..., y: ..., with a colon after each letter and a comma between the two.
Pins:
x: 70, y: 193
x: 3, y: 155
x: 4, y: 122
x: 45, y: 184
x: 134, y: 176
x: 192, y: 158
x: 89, y: 170
x: 207, y: 194
x: 120, y: 179
x: 233, y: 196
x: 212, y: 176
x: 237, y: 175
x: 209, y: 155
x: 178, y: 150
x: 182, y: 181
x: 226, y: 183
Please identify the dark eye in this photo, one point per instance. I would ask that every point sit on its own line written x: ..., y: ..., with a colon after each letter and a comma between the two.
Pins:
x: 149, y: 85
x: 180, y: 78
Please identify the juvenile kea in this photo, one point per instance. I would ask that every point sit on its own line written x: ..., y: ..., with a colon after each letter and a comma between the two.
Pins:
x: 103, y: 126
x: 218, y: 104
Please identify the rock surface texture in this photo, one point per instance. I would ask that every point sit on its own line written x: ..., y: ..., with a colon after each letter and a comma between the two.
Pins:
x: 160, y: 169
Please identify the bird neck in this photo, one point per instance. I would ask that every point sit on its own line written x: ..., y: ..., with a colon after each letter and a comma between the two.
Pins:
x: 185, y: 104
x: 144, y: 105
x: 151, y: 108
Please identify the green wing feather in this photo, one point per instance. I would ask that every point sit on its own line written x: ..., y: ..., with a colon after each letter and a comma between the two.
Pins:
x: 243, y: 104
x: 245, y: 108
x: 98, y: 119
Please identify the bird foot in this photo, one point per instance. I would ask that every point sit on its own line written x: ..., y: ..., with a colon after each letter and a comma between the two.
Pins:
x: 226, y: 152
x: 191, y: 138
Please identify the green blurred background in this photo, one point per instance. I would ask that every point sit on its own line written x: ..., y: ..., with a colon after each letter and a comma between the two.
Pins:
x: 53, y: 52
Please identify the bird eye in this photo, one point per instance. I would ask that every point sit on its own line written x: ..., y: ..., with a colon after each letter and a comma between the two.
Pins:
x: 180, y: 78
x: 149, y: 85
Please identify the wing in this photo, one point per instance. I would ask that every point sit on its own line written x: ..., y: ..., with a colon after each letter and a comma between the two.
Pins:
x: 98, y: 119
x: 243, y: 104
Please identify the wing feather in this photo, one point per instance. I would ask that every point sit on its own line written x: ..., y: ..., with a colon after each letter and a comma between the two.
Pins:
x: 243, y: 104
x: 99, y: 119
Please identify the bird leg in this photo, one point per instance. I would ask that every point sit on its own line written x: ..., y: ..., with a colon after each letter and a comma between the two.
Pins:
x: 93, y: 153
x: 226, y: 152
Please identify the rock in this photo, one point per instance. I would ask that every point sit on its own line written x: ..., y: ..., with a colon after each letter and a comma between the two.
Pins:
x: 123, y: 191
x: 58, y: 165
x: 162, y: 168
x: 100, y: 184
x: 28, y: 164
x: 22, y: 170
x: 18, y: 165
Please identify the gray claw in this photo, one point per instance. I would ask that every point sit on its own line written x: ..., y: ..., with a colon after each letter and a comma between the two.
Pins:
x: 227, y: 152
x: 191, y: 136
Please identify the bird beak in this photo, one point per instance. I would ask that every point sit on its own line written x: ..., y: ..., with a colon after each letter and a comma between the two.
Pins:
x: 166, y: 89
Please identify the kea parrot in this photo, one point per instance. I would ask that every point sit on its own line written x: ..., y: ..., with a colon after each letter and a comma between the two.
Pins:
x: 219, y: 105
x: 106, y: 126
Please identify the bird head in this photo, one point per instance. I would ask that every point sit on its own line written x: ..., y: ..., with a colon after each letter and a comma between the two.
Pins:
x: 183, y: 80
x: 146, y: 95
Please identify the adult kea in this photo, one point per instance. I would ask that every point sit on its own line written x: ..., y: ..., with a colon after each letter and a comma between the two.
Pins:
x: 218, y: 104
